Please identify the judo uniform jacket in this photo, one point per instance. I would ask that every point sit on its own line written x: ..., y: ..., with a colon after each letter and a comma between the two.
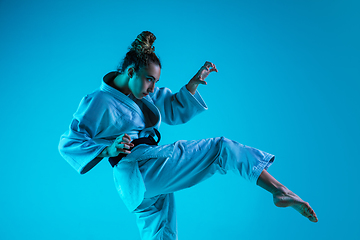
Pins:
x: 107, y: 113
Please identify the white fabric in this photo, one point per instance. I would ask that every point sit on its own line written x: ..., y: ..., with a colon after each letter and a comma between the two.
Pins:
x: 107, y: 113
x: 147, y: 178
x: 190, y: 163
x: 156, y: 218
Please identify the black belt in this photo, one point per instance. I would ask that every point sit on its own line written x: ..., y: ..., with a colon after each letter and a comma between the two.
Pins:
x: 145, y: 140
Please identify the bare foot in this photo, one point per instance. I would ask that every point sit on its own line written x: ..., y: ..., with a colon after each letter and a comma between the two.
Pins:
x: 286, y: 198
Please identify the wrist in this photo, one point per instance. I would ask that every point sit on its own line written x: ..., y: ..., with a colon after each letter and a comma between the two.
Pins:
x: 104, y: 153
x: 191, y: 87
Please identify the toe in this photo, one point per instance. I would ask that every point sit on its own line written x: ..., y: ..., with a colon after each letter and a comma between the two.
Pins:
x: 313, y: 219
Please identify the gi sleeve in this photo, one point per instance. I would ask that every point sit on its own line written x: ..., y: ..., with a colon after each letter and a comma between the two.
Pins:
x: 77, y: 146
x: 178, y: 108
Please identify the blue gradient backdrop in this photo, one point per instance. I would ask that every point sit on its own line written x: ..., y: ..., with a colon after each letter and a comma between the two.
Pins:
x: 288, y: 83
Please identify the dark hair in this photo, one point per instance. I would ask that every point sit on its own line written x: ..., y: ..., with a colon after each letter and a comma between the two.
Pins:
x: 141, y: 52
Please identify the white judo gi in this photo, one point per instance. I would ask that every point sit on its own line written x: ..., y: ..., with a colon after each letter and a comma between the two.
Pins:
x: 147, y: 178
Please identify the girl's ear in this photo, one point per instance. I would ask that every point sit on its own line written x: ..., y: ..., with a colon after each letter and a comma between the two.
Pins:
x: 131, y: 72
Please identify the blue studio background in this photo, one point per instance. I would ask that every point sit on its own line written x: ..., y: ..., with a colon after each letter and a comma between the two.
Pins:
x: 288, y: 83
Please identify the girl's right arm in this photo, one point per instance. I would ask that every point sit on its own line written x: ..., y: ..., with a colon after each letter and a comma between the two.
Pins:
x: 120, y: 145
x: 79, y: 146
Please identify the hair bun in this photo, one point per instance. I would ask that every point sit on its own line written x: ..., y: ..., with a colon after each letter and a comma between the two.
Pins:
x: 144, y: 43
x: 141, y: 53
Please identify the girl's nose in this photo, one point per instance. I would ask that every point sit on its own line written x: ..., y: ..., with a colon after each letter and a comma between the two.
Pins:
x: 151, y: 88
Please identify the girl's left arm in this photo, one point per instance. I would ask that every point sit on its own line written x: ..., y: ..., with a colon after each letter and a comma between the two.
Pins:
x: 200, y: 76
x: 180, y: 107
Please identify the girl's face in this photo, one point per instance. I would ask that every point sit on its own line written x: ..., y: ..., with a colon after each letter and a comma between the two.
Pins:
x: 143, y: 81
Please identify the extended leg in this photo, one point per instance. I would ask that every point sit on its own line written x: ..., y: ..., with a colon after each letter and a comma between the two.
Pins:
x: 283, y: 197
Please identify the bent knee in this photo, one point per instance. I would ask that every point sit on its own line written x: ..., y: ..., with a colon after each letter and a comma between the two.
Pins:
x: 226, y: 143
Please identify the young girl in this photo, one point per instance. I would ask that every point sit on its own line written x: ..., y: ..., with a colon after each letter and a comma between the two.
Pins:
x: 121, y: 121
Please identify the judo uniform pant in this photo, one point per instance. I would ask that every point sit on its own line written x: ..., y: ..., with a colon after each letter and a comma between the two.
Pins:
x: 190, y: 163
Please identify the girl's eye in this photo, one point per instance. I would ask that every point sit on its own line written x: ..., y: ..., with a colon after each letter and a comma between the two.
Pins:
x: 149, y: 79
